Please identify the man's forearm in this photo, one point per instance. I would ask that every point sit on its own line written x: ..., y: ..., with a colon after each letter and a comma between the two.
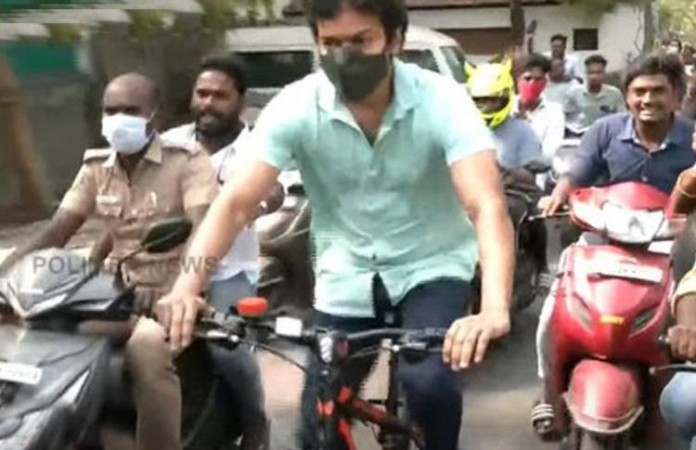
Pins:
x: 496, y: 247
x: 685, y: 310
x: 564, y: 187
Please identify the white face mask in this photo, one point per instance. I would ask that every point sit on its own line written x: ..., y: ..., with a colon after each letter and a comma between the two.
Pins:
x: 126, y: 134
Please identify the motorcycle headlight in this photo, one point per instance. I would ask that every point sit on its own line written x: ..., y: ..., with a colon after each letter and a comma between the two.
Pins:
x: 632, y: 226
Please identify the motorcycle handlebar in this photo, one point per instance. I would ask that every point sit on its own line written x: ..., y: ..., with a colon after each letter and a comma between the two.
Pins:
x: 664, y: 341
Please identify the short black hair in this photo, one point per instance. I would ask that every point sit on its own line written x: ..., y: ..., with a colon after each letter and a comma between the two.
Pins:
x: 393, y: 14
x: 230, y: 65
x: 534, y: 61
x: 559, y: 37
x: 596, y: 59
x: 658, y: 64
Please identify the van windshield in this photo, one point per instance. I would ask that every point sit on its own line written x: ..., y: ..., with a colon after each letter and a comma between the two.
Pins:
x: 423, y: 58
x: 276, y: 69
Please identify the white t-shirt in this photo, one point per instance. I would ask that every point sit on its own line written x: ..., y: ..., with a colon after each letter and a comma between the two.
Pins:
x: 244, y: 252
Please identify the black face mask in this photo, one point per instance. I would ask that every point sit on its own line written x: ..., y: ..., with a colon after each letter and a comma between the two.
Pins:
x: 355, y: 74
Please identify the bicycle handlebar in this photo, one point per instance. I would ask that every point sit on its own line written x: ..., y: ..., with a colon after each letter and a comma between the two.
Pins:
x: 233, y: 329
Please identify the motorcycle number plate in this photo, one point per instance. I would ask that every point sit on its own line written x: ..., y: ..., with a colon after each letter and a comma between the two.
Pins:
x: 630, y: 271
x: 20, y: 373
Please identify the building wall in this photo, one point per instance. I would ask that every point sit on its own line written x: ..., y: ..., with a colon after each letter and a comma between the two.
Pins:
x: 620, y: 33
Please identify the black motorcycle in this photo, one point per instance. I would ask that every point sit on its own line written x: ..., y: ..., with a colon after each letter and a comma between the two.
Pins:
x: 58, y: 385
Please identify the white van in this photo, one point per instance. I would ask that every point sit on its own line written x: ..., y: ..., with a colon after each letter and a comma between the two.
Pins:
x: 278, y: 55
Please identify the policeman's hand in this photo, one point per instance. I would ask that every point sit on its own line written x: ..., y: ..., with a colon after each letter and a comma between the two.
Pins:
x: 550, y: 205
x: 178, y: 314
x: 468, y: 338
x: 682, y: 340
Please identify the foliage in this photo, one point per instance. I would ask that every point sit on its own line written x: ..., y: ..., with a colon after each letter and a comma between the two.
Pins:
x: 678, y: 16
x: 147, y: 23
x: 65, y: 33
x: 599, y: 7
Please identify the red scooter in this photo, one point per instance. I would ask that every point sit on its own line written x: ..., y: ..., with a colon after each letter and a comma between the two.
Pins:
x: 611, y: 306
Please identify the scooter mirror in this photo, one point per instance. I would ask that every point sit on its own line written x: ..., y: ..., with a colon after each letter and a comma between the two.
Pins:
x: 166, y: 235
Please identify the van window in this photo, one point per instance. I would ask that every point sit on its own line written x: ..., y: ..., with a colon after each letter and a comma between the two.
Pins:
x: 455, y: 60
x: 276, y: 69
x: 423, y: 58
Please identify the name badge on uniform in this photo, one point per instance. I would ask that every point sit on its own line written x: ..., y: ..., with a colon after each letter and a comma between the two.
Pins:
x: 107, y: 199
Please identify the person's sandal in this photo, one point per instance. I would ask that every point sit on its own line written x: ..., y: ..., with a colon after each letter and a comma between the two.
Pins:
x: 544, y: 422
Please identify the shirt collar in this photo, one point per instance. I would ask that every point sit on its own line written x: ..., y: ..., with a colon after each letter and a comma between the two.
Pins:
x: 405, y: 95
x: 628, y: 133
x: 152, y: 154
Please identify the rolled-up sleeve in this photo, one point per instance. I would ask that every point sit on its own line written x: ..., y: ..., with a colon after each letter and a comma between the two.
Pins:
x: 686, y: 286
x: 461, y: 130
x: 81, y: 197
x: 588, y: 163
x: 275, y: 137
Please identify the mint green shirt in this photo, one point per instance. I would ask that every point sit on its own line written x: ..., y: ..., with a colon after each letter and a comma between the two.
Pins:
x: 388, y: 208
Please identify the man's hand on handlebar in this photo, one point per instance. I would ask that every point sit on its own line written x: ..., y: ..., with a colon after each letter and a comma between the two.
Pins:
x: 178, y: 314
x: 468, y: 338
x: 682, y: 341
x: 550, y: 205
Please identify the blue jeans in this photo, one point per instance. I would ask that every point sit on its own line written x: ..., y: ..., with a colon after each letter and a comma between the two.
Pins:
x: 678, y: 406
x: 433, y: 391
x: 238, y: 369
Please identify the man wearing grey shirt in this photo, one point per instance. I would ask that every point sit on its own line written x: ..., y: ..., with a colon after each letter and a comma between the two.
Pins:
x: 587, y: 103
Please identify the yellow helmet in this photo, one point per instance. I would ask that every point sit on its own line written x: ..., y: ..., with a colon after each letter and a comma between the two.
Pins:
x: 492, y: 81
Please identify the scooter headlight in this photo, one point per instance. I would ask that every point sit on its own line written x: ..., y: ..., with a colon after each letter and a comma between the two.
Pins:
x: 632, y: 226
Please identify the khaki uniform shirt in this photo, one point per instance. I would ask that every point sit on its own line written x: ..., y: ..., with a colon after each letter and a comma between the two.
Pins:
x: 166, y: 183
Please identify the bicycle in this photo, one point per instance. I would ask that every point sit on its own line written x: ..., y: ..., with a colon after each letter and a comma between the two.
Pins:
x: 337, y: 404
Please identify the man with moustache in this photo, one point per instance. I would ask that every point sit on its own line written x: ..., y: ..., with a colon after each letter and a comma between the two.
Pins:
x: 216, y: 104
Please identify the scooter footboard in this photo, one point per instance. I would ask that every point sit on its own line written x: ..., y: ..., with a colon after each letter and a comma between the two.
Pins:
x: 604, y: 398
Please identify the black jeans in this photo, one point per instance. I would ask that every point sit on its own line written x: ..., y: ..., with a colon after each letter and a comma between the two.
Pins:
x: 433, y: 391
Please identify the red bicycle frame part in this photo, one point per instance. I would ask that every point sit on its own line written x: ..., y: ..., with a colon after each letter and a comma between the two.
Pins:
x: 347, y: 405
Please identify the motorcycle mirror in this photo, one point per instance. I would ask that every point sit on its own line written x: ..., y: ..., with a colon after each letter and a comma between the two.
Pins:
x: 167, y: 235
x: 538, y: 167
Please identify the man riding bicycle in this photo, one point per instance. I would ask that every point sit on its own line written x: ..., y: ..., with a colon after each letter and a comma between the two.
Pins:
x: 649, y: 144
x: 401, y: 175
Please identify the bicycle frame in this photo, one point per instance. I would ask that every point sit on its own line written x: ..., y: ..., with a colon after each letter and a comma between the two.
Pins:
x: 338, y: 404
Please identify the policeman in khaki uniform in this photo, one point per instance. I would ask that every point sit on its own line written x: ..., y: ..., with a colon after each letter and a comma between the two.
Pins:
x: 130, y: 186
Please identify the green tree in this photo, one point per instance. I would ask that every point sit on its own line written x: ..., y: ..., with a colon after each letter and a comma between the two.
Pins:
x: 678, y: 16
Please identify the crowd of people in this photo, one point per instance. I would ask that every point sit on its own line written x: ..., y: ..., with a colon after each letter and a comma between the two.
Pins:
x: 402, y: 169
